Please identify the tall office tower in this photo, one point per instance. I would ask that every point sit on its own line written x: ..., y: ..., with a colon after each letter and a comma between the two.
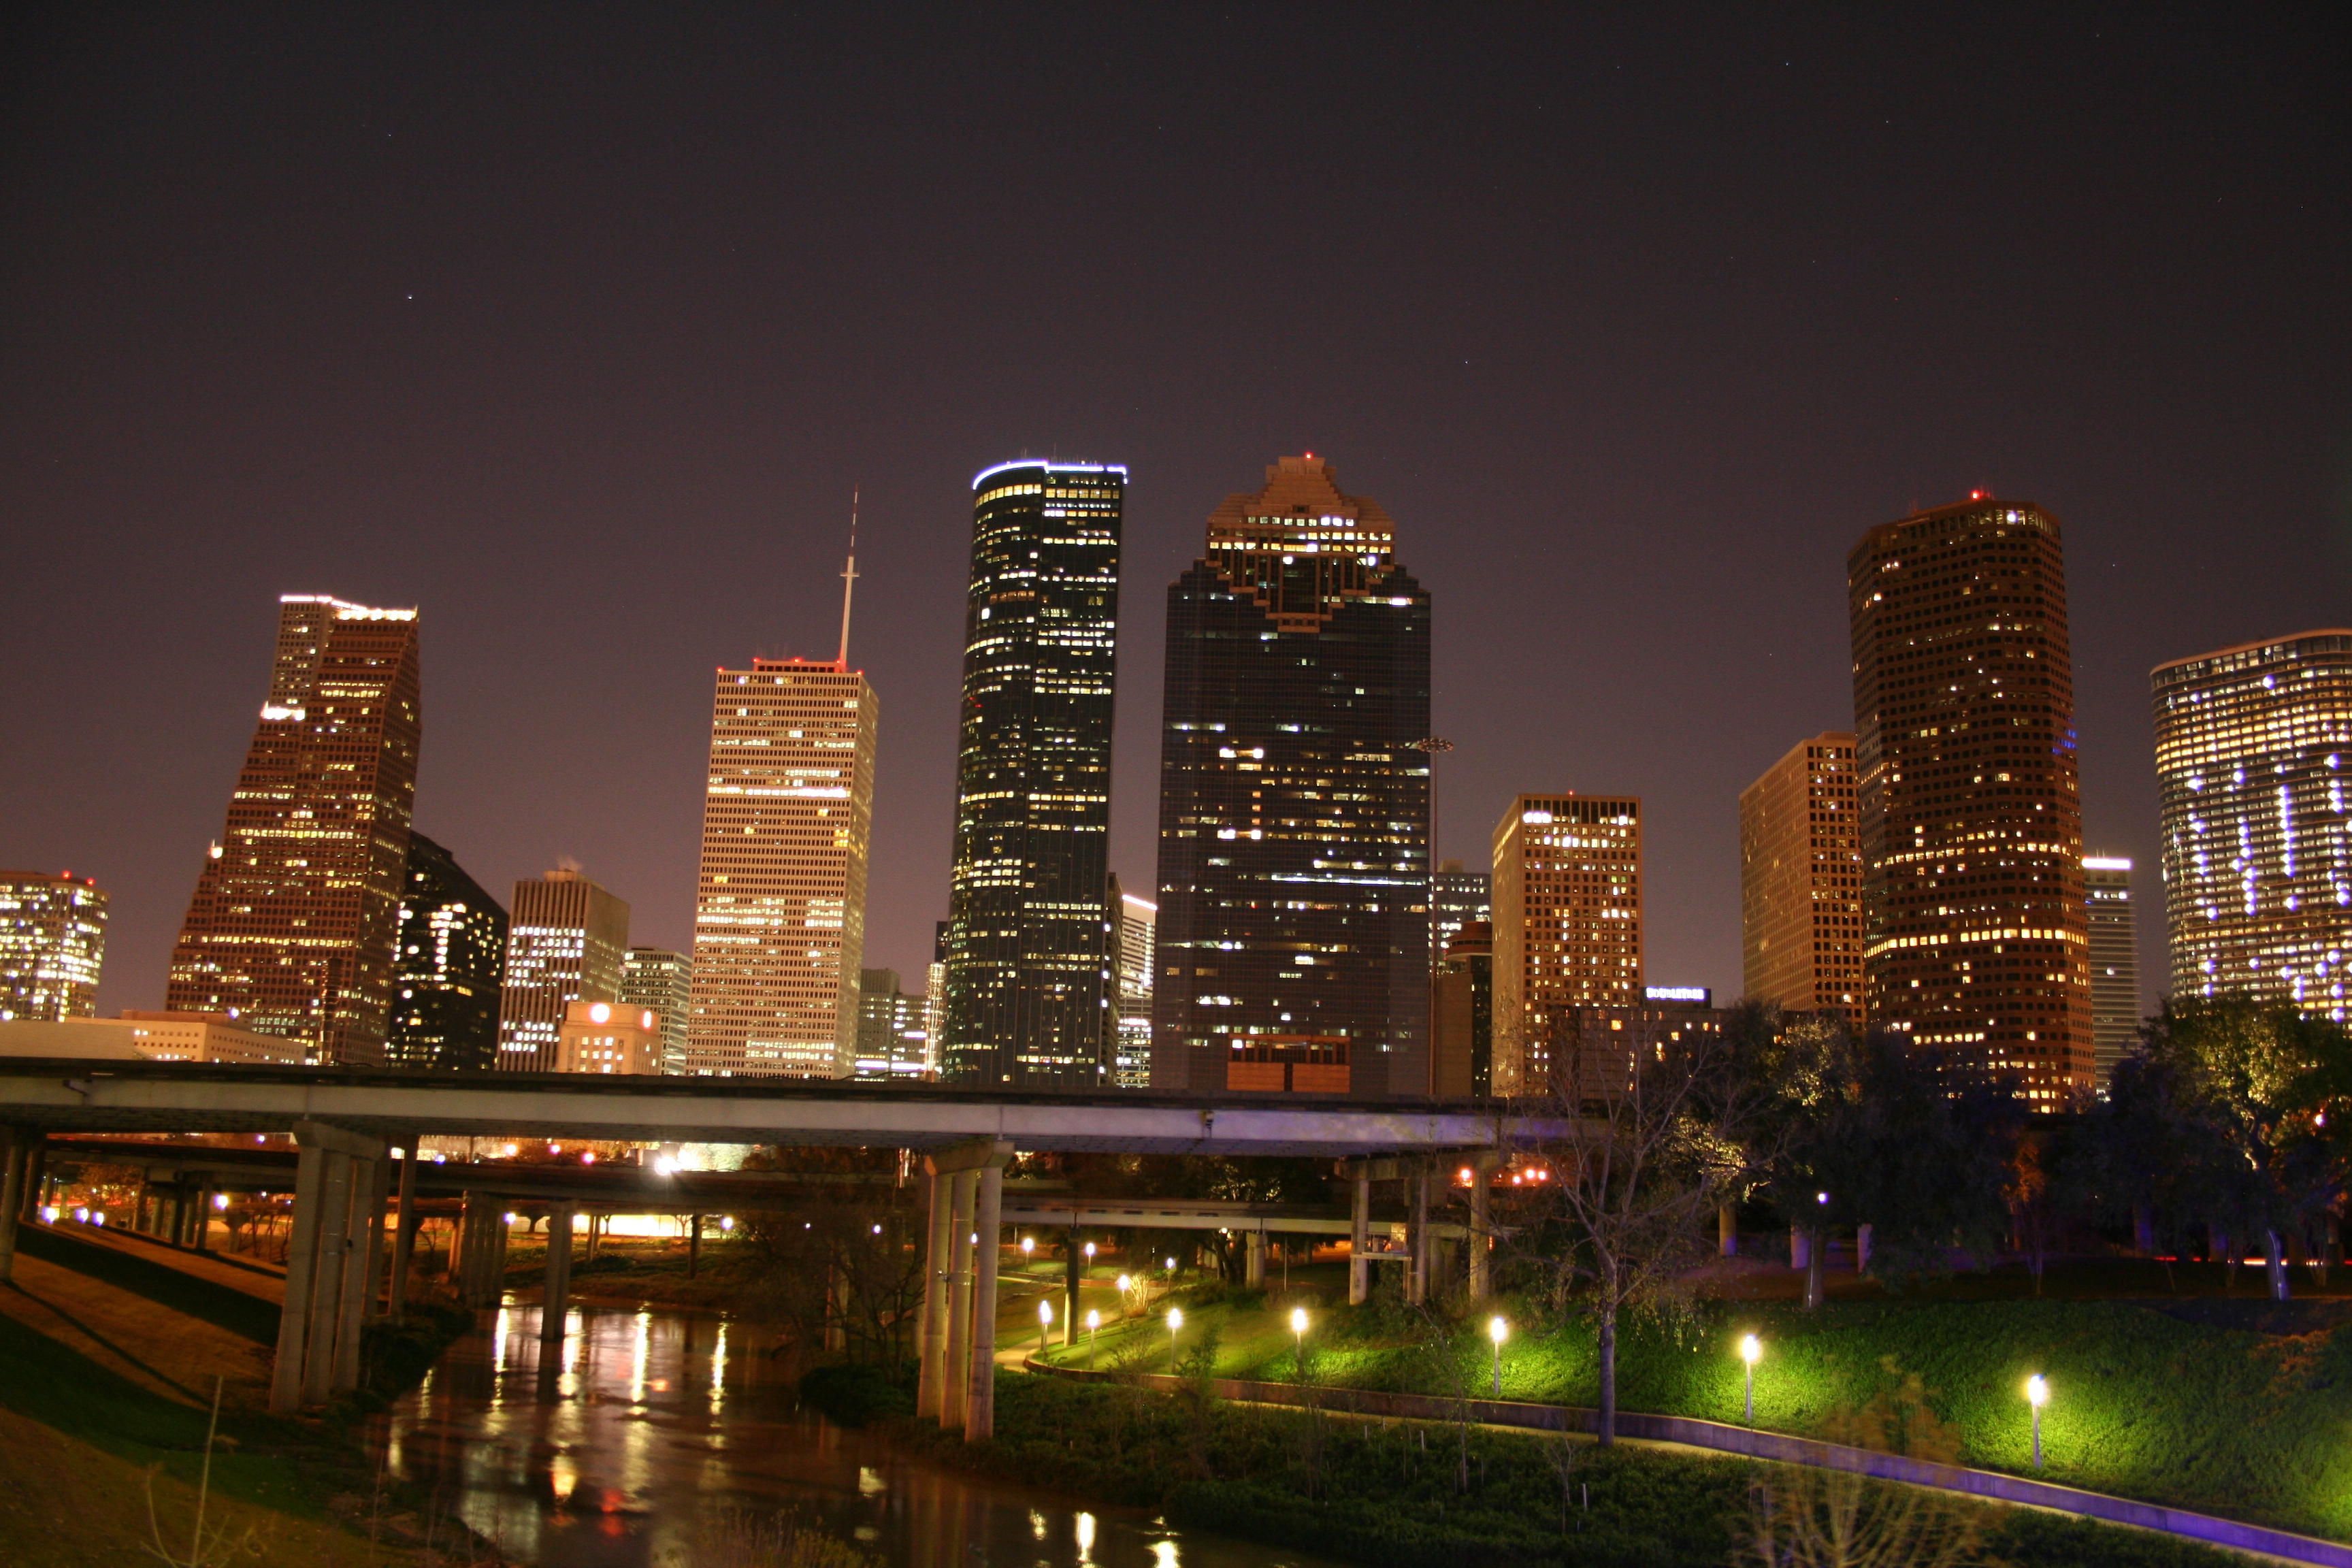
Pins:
x: 1568, y: 924
x: 52, y: 941
x: 2114, y: 961
x: 1294, y: 805
x: 447, y: 965
x: 295, y: 914
x: 1975, y: 940
x: 779, y: 903
x: 1800, y: 882
x: 1462, y: 1014
x: 935, y: 991
x: 891, y: 1040
x: 656, y: 979
x: 1455, y: 898
x: 2253, y: 745
x: 1135, y: 921
x: 566, y: 942
x: 1029, y: 988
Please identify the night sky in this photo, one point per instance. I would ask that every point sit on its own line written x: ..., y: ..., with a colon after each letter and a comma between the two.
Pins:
x: 574, y: 326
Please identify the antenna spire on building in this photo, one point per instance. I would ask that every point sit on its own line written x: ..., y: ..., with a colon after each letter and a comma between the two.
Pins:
x: 849, y: 578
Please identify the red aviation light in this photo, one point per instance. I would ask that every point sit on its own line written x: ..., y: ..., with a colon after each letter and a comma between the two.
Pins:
x: 1976, y: 495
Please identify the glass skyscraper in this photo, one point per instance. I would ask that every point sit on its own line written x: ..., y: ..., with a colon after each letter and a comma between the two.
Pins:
x: 2253, y: 745
x: 1294, y: 805
x: 448, y: 966
x: 52, y: 941
x: 566, y: 942
x: 1030, y: 996
x: 2115, y: 959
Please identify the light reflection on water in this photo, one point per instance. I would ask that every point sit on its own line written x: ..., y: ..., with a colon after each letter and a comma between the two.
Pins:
x: 664, y: 1420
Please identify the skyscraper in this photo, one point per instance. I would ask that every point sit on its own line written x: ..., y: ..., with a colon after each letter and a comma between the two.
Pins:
x: 2253, y: 746
x: 1462, y: 1014
x: 780, y: 902
x: 1135, y: 922
x: 447, y: 965
x: 293, y: 925
x: 52, y: 941
x: 935, y: 991
x: 1457, y: 897
x: 1029, y: 1001
x: 2114, y: 961
x: 1294, y: 805
x: 566, y: 942
x: 1568, y: 924
x: 658, y: 980
x: 891, y: 1040
x: 1976, y: 935
x: 1800, y: 882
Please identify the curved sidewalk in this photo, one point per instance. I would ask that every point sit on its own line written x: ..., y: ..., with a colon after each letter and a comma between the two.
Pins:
x: 1778, y: 1447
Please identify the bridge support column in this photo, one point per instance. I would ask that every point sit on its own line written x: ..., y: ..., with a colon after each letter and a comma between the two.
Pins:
x: 15, y: 1161
x: 1479, y: 1244
x: 302, y: 1271
x: 327, y: 1283
x: 1253, y: 1260
x: 1074, y: 1260
x: 936, y: 1267
x: 555, y: 1298
x: 1417, y: 1279
x: 694, y: 1247
x: 358, y: 1271
x: 1359, y: 1232
x: 403, y: 1236
x: 379, y: 1192
x: 956, y: 1382
x: 980, y: 1407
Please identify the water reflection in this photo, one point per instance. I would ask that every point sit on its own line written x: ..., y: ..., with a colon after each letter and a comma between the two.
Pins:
x: 669, y: 1429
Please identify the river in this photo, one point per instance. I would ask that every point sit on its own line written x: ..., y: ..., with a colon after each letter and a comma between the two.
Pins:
x: 676, y: 1441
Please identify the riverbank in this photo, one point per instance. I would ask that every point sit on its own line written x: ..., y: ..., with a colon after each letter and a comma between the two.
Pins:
x: 110, y: 1354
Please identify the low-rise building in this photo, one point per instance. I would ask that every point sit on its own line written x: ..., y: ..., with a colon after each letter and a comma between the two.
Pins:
x: 609, y: 1037
x: 155, y: 1037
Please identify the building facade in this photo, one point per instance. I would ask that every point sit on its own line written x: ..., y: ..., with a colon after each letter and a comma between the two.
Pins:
x: 2253, y: 747
x: 1462, y: 1014
x: 892, y: 1042
x: 658, y: 979
x: 52, y: 944
x: 780, y: 901
x: 565, y: 942
x: 1294, y: 805
x: 1135, y: 923
x: 1800, y: 882
x: 296, y: 909
x: 1568, y: 924
x: 158, y: 1036
x: 1590, y: 1050
x: 448, y: 966
x: 608, y: 1038
x: 1975, y: 929
x: 2114, y: 961
x: 1456, y: 898
x: 1029, y: 1001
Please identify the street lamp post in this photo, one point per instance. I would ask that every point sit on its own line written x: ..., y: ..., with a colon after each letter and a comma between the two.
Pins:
x: 1175, y: 1322
x: 1498, y: 1330
x: 1094, y: 1321
x: 1750, y: 1351
x: 1045, y: 1323
x: 1298, y: 1335
x: 2037, y: 1394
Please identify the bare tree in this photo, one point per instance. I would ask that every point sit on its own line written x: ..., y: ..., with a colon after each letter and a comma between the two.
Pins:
x: 1804, y: 1516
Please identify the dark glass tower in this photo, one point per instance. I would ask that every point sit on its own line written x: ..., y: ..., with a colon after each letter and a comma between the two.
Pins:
x: 447, y: 965
x: 1294, y: 808
x: 1029, y: 989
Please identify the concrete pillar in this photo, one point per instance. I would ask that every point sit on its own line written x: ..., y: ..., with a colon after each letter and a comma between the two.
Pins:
x: 1726, y: 1231
x: 1861, y: 1249
x: 494, y: 1289
x: 957, y: 1383
x: 15, y: 1158
x: 555, y: 1296
x: 1253, y: 1260
x: 694, y: 1247
x: 1417, y: 1283
x: 1074, y: 1270
x: 1360, y: 1268
x: 359, y: 1277
x: 327, y: 1282
x: 372, y: 1253
x: 936, y: 1266
x: 980, y: 1405
x: 404, y: 1237
x: 1479, y: 1246
x: 301, y: 1268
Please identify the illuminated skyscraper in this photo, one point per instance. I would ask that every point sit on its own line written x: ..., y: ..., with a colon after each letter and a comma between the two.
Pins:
x: 293, y: 922
x: 2114, y: 961
x: 656, y: 979
x: 891, y: 1040
x: 1029, y: 1001
x: 447, y: 967
x: 565, y: 943
x: 1294, y: 805
x: 1462, y: 1014
x: 1976, y: 935
x: 1135, y: 922
x: 2253, y: 747
x: 1457, y: 897
x: 52, y: 941
x: 1800, y: 882
x: 1568, y: 924
x: 780, y: 905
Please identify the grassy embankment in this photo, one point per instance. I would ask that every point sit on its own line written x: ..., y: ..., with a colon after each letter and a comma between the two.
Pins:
x: 109, y: 1354
x: 2233, y: 1407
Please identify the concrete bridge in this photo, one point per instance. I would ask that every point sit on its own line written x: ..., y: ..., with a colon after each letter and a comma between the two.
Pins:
x: 347, y: 1121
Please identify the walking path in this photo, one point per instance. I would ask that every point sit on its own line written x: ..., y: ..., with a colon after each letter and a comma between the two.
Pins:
x: 1780, y: 1448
